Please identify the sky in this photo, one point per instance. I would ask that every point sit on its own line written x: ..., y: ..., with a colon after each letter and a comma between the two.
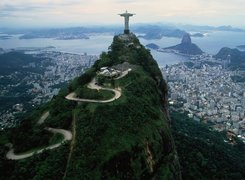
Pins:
x: 53, y: 13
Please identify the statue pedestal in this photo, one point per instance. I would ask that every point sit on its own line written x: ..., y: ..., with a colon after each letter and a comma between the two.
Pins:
x: 126, y: 31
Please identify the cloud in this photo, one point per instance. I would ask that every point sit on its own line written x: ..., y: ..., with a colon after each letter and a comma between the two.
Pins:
x: 97, y: 11
x: 10, y: 8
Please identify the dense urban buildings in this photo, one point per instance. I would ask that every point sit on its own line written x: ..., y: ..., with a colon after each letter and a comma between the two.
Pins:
x: 206, y: 90
x: 56, y: 70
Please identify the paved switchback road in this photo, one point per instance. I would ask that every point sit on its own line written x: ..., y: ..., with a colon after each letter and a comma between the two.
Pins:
x: 92, y: 85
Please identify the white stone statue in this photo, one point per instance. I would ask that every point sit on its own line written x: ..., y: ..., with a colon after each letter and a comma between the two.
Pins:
x: 126, y: 16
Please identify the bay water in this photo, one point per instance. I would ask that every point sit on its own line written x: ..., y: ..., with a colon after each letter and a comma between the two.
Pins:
x: 211, y: 43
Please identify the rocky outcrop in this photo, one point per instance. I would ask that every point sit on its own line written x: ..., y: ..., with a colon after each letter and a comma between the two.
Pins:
x: 186, y: 39
x: 186, y: 46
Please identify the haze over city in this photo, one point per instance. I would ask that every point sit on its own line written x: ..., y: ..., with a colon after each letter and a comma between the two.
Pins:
x: 47, y: 13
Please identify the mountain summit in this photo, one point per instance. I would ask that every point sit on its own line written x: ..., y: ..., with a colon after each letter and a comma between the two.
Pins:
x: 129, y: 137
x: 186, y: 39
x: 186, y: 46
x: 110, y: 123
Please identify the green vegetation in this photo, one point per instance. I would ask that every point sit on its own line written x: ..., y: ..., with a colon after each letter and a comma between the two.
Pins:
x: 114, y: 137
x: 111, y: 135
x: 82, y: 80
x: 102, y: 81
x: 57, y: 138
x: 189, y: 64
x: 14, y: 61
x: 125, y: 139
x: 128, y: 138
x: 15, y: 70
x: 3, y: 138
x: 203, y: 154
x: 86, y: 93
x: 48, y: 165
x: 29, y: 136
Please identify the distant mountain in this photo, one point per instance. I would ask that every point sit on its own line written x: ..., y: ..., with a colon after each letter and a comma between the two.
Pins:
x: 197, y: 35
x: 149, y: 31
x: 5, y: 37
x: 186, y: 46
x: 236, y: 57
x: 210, y: 28
x: 1, y: 50
x: 146, y: 31
x: 152, y: 46
x: 157, y: 32
x: 229, y: 28
x: 60, y: 34
x: 241, y: 47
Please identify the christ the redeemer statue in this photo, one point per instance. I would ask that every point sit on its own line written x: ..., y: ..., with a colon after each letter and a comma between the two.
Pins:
x: 126, y: 16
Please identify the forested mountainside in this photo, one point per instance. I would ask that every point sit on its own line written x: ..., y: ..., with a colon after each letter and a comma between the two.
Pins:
x: 111, y: 122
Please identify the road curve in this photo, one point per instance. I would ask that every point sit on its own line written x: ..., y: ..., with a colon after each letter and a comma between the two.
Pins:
x: 67, y: 134
x: 92, y: 85
x: 67, y: 137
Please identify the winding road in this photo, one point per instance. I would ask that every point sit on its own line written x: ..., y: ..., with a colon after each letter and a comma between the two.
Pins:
x: 67, y: 137
x: 92, y: 85
x: 67, y: 134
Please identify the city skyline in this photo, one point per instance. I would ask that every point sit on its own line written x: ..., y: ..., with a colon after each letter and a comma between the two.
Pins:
x: 46, y: 13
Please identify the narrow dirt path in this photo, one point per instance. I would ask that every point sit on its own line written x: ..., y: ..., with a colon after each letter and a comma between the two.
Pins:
x: 43, y: 118
x: 72, y: 144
